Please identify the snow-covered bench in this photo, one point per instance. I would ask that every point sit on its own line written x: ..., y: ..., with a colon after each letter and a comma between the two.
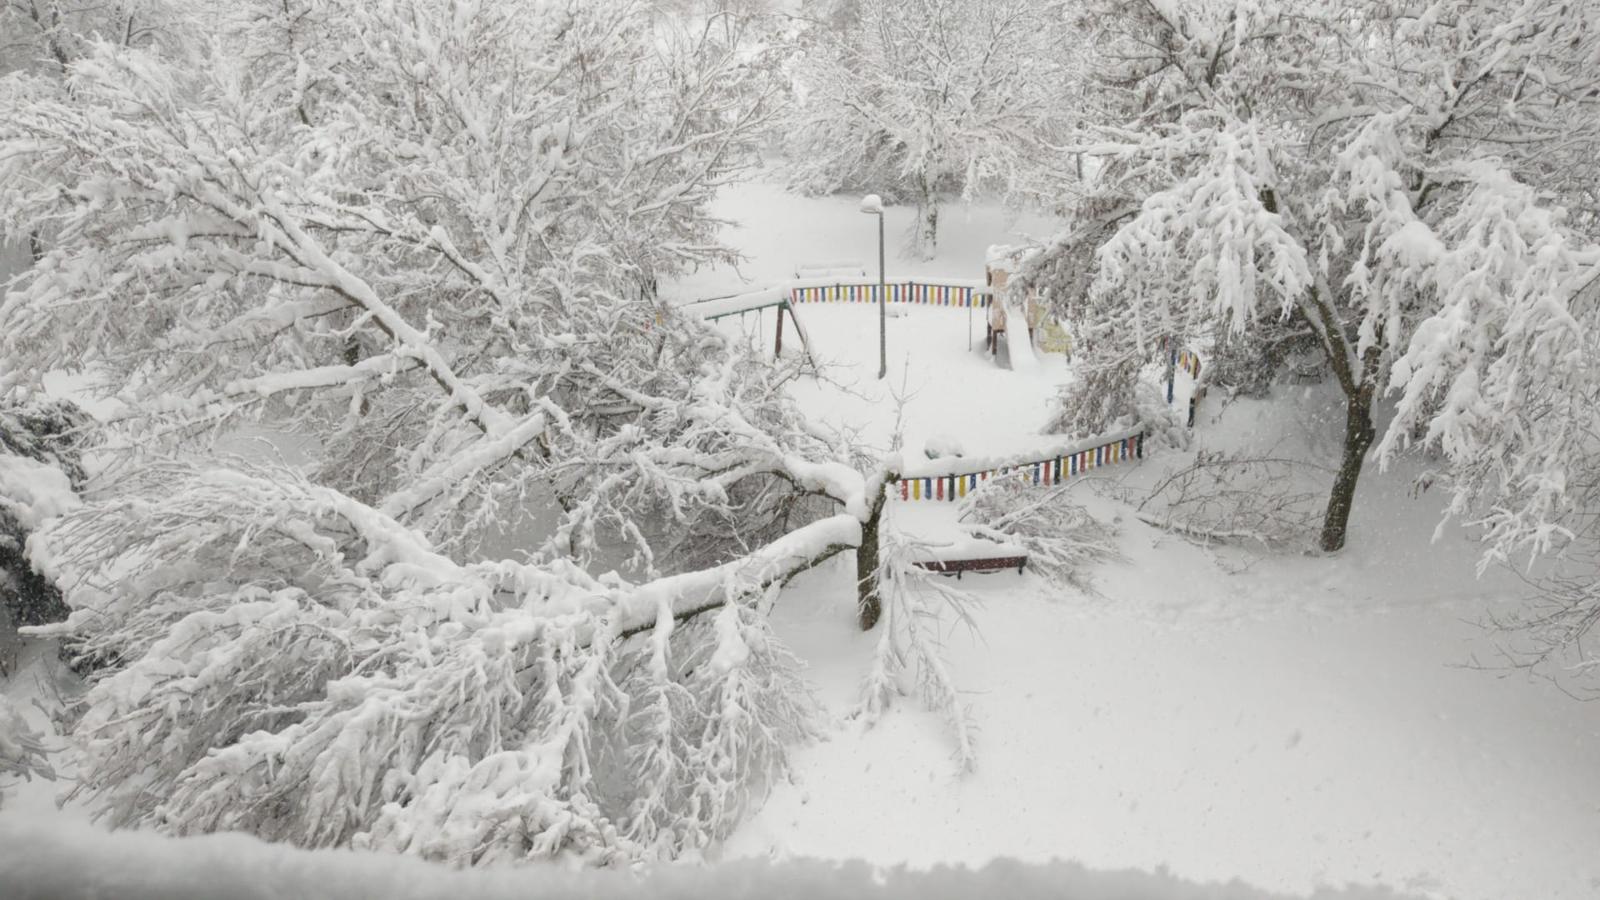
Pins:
x: 975, y: 564
x: 973, y: 554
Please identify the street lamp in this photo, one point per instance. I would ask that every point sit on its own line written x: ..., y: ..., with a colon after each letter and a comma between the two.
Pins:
x: 872, y: 205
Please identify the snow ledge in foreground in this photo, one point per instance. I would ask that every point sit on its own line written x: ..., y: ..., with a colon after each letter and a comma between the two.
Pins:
x: 64, y: 859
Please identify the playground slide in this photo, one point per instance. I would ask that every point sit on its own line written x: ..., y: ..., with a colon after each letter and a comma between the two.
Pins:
x: 1019, y: 347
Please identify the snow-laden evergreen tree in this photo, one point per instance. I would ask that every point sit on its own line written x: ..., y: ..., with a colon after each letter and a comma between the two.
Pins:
x: 916, y: 99
x: 421, y: 233
x: 1381, y: 177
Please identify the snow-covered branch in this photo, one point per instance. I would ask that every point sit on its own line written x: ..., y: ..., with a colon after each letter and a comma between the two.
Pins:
x: 281, y: 659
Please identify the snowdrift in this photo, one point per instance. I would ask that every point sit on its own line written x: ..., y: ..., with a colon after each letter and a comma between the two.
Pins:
x: 63, y: 860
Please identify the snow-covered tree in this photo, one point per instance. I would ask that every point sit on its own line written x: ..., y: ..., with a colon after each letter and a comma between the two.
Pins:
x: 50, y: 34
x: 303, y: 667
x: 1341, y: 169
x: 913, y: 99
x: 421, y: 233
x: 415, y: 235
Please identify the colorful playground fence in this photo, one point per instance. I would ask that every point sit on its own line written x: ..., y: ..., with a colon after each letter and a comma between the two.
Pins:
x: 1181, y: 358
x: 1189, y: 361
x: 927, y: 293
x: 960, y: 478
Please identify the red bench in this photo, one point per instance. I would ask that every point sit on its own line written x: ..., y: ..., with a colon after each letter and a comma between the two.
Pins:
x: 986, y: 564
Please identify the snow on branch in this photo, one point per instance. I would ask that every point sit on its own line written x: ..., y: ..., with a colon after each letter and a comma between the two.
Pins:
x: 1499, y: 376
x: 918, y: 607
x: 280, y: 659
x: 1062, y: 540
x: 419, y: 266
x: 1208, y: 242
x: 1237, y: 498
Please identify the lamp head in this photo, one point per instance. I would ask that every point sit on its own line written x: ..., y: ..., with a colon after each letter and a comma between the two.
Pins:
x: 872, y: 204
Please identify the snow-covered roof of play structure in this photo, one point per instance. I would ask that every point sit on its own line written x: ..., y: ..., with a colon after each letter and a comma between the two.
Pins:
x: 761, y: 298
x: 1008, y: 257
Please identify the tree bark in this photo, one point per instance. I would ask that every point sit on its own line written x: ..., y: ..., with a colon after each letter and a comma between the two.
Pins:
x: 927, y: 221
x: 1358, y: 437
x: 869, y: 604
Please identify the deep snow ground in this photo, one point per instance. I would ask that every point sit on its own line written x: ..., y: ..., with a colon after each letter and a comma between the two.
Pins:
x: 941, y: 384
x: 1309, y: 721
x: 1286, y: 719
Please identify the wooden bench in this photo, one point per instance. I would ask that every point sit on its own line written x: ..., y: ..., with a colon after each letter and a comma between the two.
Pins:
x: 979, y: 564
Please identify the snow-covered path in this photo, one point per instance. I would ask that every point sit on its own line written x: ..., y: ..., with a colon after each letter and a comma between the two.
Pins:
x: 1306, y: 722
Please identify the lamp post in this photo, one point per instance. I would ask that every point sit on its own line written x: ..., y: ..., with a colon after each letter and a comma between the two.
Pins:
x: 872, y: 205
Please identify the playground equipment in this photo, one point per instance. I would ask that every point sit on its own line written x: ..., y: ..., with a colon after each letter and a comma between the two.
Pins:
x: 775, y: 298
x: 947, y: 478
x: 784, y: 296
x: 999, y: 262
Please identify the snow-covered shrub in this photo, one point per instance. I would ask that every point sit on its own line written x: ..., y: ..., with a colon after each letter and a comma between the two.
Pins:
x: 1109, y: 395
x: 1064, y: 542
x: 1237, y: 498
x: 294, y: 664
x: 919, y: 606
x: 1099, y: 399
x: 40, y: 474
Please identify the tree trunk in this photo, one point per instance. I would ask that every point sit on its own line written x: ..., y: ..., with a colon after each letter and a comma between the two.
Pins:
x: 1358, y: 437
x: 869, y: 605
x: 927, y: 222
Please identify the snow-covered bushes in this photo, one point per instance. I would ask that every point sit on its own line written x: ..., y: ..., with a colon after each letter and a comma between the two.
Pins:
x: 1108, y: 396
x: 1249, y: 364
x: 1238, y: 498
x: 1064, y: 542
